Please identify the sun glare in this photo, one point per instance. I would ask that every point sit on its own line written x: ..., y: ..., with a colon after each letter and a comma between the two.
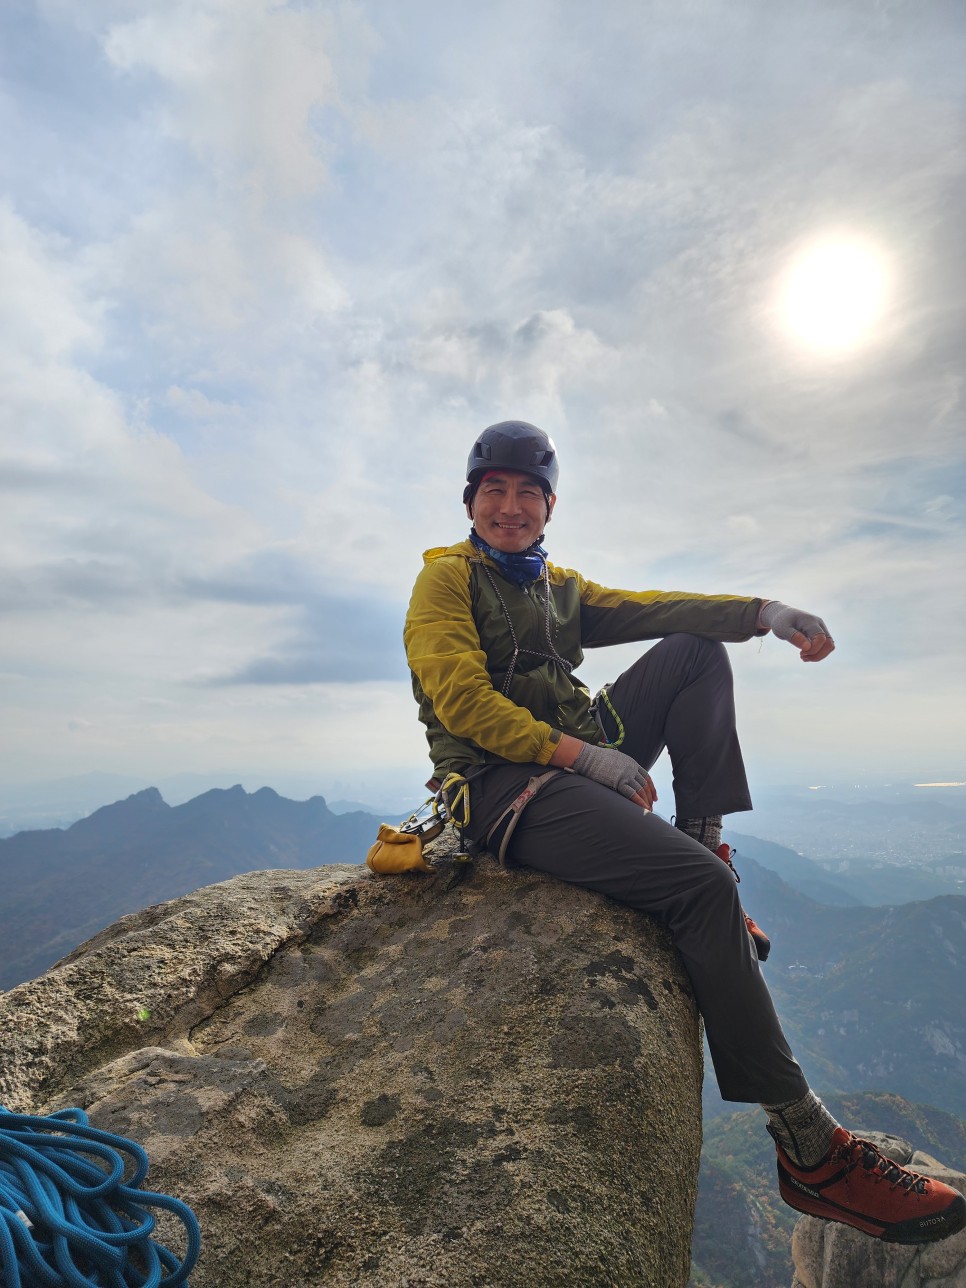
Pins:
x: 833, y: 293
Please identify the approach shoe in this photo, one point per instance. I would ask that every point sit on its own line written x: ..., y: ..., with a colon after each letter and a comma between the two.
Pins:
x: 856, y: 1184
x: 759, y: 938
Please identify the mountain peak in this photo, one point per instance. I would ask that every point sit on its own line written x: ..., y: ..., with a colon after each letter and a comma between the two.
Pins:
x: 149, y: 796
x: 150, y: 799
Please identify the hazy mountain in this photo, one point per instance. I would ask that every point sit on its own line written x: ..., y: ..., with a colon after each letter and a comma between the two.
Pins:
x: 869, y: 997
x: 864, y: 878
x: 891, y: 1012
x: 62, y: 801
x: 61, y: 886
x: 881, y: 837
x: 799, y: 872
x: 388, y: 813
x: 742, y: 1230
x: 882, y: 881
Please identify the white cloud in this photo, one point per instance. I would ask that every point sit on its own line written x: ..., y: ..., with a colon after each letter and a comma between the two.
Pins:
x: 101, y: 518
x: 246, y: 76
x: 309, y: 251
x: 41, y: 306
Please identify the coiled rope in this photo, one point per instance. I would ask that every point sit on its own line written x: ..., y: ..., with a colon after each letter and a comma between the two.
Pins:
x: 69, y: 1219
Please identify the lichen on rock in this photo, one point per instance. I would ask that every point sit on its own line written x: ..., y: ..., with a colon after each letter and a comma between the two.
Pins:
x: 479, y: 1077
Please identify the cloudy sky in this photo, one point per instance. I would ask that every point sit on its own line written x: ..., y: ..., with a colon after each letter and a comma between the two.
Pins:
x: 266, y: 269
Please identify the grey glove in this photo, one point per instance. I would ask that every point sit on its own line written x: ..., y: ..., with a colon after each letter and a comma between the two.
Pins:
x: 786, y: 622
x: 610, y: 767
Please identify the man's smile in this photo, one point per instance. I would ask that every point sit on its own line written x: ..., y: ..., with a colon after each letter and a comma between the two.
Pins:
x: 509, y: 492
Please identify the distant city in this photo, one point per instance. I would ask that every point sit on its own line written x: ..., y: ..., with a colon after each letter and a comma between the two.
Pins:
x: 904, y: 825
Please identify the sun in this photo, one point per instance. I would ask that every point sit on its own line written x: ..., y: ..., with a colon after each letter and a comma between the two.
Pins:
x: 834, y: 293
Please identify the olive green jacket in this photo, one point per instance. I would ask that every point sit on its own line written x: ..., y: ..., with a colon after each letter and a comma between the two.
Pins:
x: 488, y: 685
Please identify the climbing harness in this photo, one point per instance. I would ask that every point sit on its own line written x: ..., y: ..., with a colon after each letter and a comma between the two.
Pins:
x: 69, y: 1218
x: 500, y: 833
x: 401, y: 849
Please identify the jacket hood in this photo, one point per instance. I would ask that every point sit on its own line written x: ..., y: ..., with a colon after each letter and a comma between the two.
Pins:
x: 464, y: 549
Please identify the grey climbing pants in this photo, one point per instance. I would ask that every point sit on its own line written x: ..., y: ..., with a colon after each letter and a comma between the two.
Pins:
x: 679, y: 695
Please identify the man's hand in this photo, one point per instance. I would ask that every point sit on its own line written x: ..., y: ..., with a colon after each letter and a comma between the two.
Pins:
x: 808, y: 633
x: 620, y: 773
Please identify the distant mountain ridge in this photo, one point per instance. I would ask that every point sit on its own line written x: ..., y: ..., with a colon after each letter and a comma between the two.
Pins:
x: 871, y: 997
x: 61, y: 886
x: 801, y: 873
x: 58, y: 803
x: 868, y: 882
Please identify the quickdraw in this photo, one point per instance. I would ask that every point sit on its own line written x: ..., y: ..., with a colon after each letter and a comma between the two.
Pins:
x: 400, y: 849
x: 450, y: 803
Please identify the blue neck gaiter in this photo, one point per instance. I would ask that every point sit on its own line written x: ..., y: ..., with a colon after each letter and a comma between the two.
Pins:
x: 518, y: 568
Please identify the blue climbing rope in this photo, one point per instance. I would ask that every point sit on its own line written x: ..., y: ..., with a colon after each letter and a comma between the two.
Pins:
x: 68, y: 1216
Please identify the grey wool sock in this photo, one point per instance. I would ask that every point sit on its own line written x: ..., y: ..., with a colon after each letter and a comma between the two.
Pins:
x: 803, y: 1128
x: 706, y: 830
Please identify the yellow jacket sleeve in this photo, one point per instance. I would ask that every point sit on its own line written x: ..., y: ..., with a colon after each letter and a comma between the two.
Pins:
x: 445, y: 655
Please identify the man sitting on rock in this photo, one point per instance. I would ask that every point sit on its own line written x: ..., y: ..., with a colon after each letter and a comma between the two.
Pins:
x: 493, y: 635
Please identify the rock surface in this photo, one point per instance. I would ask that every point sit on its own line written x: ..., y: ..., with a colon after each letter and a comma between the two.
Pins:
x: 828, y: 1255
x: 481, y: 1077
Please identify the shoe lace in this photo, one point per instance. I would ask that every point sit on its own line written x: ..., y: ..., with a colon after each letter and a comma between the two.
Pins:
x: 871, y: 1159
x: 726, y: 854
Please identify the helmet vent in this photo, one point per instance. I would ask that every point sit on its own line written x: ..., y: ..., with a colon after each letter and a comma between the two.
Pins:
x: 514, y: 445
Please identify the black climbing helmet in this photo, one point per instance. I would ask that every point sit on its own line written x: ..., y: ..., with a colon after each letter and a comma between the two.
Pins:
x: 512, y: 445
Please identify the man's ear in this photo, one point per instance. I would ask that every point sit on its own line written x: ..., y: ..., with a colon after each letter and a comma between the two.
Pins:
x: 469, y: 511
x: 551, y: 502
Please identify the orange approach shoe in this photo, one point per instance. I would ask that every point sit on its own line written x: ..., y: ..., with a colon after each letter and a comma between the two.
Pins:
x: 857, y: 1185
x: 761, y: 941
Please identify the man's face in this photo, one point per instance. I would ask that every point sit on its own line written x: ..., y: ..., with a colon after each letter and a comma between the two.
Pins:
x: 510, y: 510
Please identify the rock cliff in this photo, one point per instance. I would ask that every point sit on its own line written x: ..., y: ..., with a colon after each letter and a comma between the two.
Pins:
x: 827, y: 1255
x: 481, y: 1077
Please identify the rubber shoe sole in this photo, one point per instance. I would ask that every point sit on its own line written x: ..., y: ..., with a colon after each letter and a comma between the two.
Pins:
x: 759, y: 938
x: 857, y: 1185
